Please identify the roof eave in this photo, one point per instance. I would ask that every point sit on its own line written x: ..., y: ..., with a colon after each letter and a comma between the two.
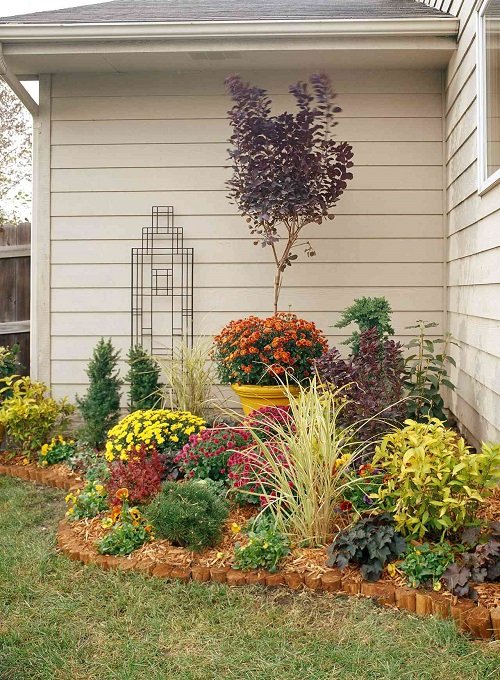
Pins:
x: 440, y: 26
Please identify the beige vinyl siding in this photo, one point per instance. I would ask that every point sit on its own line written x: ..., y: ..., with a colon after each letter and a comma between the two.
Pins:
x: 124, y: 142
x: 473, y: 248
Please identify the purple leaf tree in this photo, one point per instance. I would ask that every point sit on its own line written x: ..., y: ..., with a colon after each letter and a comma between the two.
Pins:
x: 287, y: 170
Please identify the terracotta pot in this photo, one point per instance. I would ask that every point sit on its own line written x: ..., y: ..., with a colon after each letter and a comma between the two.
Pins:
x: 381, y: 591
x: 181, y: 574
x: 253, y: 397
x: 235, y: 578
x: 313, y: 581
x: 294, y: 580
x: 218, y: 574
x: 256, y: 578
x: 405, y: 598
x: 201, y: 574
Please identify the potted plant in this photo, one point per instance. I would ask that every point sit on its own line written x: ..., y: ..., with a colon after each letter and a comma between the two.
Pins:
x: 288, y: 171
x: 260, y: 357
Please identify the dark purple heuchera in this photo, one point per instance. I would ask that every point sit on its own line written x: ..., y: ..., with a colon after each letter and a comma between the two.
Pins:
x: 287, y: 170
x: 374, y: 380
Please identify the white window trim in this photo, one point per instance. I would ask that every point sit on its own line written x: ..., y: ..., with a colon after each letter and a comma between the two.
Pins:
x: 485, y: 182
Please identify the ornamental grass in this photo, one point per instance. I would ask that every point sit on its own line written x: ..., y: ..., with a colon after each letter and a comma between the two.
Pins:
x: 303, y: 469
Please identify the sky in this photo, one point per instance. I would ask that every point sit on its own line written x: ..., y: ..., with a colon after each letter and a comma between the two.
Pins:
x: 11, y: 7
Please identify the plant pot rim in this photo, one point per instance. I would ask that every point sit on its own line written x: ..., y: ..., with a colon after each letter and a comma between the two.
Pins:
x: 240, y: 388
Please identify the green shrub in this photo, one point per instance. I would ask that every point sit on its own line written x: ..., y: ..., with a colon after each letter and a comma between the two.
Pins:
x: 264, y: 549
x: 425, y: 564
x: 143, y: 378
x: 100, y: 407
x: 433, y: 484
x: 426, y: 372
x: 367, y: 313
x: 8, y: 365
x: 189, y: 514
x: 371, y: 543
x: 30, y: 414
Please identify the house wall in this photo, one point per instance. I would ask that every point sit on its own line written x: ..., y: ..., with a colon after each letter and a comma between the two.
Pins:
x: 121, y: 143
x: 473, y: 243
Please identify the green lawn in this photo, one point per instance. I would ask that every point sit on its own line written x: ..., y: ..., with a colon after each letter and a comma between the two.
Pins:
x: 61, y: 620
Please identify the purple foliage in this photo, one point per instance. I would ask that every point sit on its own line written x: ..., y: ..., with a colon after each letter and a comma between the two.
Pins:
x: 287, y: 169
x: 373, y: 378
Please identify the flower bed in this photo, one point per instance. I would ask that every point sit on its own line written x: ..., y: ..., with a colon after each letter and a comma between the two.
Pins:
x: 302, y: 568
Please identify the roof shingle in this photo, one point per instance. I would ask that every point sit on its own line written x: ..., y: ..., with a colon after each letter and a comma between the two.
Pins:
x: 136, y: 11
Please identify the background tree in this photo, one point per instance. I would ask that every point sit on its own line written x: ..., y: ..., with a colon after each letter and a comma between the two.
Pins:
x: 15, y: 158
x: 143, y: 378
x: 100, y: 407
x: 287, y: 170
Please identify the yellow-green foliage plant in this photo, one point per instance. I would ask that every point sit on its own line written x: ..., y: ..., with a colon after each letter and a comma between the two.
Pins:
x: 433, y: 483
x: 189, y: 377
x: 29, y: 414
x: 302, y: 465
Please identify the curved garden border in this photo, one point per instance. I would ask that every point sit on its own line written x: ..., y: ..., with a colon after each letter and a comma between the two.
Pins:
x: 477, y: 621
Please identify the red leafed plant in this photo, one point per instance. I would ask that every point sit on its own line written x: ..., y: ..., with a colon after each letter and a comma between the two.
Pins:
x: 141, y: 474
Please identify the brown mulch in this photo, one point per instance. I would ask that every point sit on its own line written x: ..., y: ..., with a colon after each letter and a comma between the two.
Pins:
x: 490, y: 511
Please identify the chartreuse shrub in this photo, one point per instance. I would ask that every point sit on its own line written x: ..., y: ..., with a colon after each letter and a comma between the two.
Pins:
x: 264, y: 547
x: 367, y: 313
x: 156, y: 428
x: 143, y: 378
x: 8, y: 365
x: 59, y: 450
x: 128, y: 529
x: 87, y: 502
x: 425, y: 564
x: 100, y: 407
x: 433, y: 483
x: 190, y: 515
x: 29, y: 414
x: 371, y: 543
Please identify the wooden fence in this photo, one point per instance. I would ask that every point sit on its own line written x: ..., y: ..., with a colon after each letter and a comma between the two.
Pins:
x: 15, y: 289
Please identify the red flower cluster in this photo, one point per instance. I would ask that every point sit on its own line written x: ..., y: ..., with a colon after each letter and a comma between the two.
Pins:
x: 206, y: 454
x: 141, y: 474
x: 262, y: 421
x: 249, y: 472
x: 263, y: 351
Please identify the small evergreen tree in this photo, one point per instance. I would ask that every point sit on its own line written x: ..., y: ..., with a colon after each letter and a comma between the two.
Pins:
x: 100, y: 407
x: 143, y: 378
x: 367, y: 313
